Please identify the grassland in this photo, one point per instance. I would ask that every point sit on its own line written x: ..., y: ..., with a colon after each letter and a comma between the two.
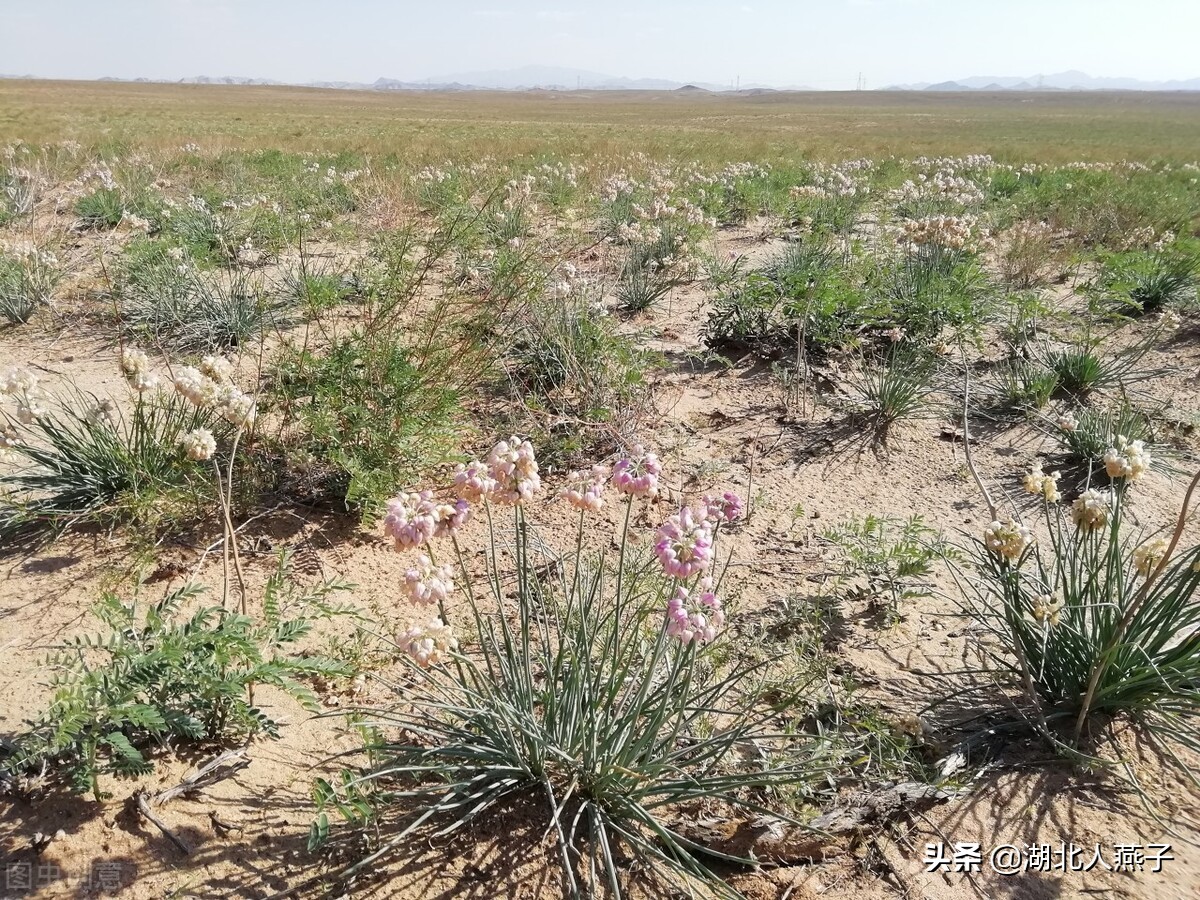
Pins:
x: 1013, y: 127
x: 639, y: 466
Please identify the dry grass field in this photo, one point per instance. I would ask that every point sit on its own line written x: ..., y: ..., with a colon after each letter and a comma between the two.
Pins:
x: 767, y: 127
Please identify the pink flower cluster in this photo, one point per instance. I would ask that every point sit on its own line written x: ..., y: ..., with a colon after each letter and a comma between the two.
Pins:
x: 473, y: 483
x: 414, y: 519
x: 585, y: 488
x: 513, y: 466
x: 427, y: 584
x: 684, y: 546
x: 637, y: 473
x: 509, y: 477
x: 727, y: 508
x: 701, y: 625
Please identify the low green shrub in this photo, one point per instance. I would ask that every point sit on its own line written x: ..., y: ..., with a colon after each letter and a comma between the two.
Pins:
x: 161, y: 680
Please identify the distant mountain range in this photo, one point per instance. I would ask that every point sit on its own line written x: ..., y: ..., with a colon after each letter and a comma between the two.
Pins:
x: 527, y: 78
x: 1059, y: 81
x: 549, y: 78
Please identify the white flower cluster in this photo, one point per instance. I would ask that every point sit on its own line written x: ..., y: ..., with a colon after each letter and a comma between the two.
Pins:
x: 1090, y: 509
x: 211, y: 387
x: 1008, y: 539
x: 136, y: 367
x: 22, y: 385
x: 1147, y: 557
x: 427, y: 584
x: 951, y: 232
x: 429, y: 645
x: 1046, y: 486
x: 1128, y: 459
x: 944, y: 186
x: 199, y: 445
x: 1046, y: 609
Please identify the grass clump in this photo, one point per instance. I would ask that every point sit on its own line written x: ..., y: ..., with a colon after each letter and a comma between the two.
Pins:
x: 102, y: 208
x: 894, y: 390
x: 1148, y: 282
x: 1084, y: 368
x: 802, y: 295
x: 568, y: 360
x: 168, y: 302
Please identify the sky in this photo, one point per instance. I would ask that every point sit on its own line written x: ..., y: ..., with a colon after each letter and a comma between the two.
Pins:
x: 818, y: 43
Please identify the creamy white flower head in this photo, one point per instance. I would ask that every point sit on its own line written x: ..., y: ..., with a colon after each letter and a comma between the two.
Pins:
x: 1128, y: 459
x: 29, y: 411
x: 218, y: 368
x: 1090, y: 510
x: 134, y: 361
x: 1046, y: 609
x: 17, y: 381
x: 197, y: 387
x: 1038, y: 482
x: 1147, y: 557
x: 1008, y: 539
x: 199, y: 445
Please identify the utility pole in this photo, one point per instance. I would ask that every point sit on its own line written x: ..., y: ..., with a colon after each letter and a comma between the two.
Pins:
x: 860, y: 85
x: 738, y: 83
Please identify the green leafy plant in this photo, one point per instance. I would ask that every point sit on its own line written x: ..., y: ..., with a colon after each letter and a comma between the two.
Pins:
x: 801, y: 295
x: 894, y: 557
x: 361, y: 417
x: 1025, y: 385
x: 932, y: 289
x: 161, y: 679
x: 18, y: 193
x: 653, y: 268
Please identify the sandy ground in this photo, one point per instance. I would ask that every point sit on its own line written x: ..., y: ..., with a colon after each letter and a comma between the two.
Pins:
x: 719, y: 427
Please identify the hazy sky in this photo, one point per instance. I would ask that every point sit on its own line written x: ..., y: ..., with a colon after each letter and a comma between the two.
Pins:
x: 822, y: 43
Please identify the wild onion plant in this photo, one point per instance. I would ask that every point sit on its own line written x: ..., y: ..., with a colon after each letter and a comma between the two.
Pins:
x: 81, y: 459
x: 172, y: 303
x: 1095, y: 622
x: 1083, y: 369
x: 592, y: 687
x: 27, y: 281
